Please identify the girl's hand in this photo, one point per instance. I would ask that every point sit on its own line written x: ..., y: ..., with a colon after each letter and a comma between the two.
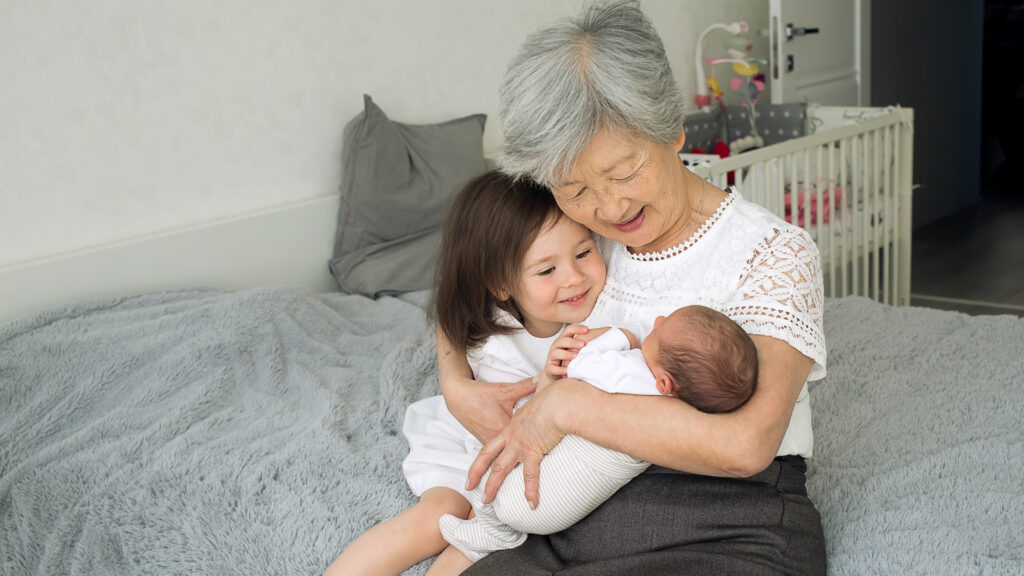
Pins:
x: 562, y: 351
x: 533, y: 431
x: 593, y: 333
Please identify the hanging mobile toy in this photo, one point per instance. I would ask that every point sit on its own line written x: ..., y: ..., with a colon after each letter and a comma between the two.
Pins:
x: 748, y: 83
x: 715, y: 91
x: 703, y: 98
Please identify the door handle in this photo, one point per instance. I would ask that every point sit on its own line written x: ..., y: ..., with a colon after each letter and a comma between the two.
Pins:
x: 792, y: 31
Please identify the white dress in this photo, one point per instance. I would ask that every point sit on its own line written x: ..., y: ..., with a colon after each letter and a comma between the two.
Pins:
x: 440, y: 449
x: 576, y: 476
x: 744, y: 262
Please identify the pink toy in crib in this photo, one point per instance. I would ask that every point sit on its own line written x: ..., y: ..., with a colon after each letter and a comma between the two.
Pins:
x: 834, y: 193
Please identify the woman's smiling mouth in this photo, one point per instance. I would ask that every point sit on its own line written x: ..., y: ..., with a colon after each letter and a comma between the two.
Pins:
x: 631, y: 224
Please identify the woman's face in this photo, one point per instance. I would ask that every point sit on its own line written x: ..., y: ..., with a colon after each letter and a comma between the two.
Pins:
x: 561, y: 277
x: 628, y: 189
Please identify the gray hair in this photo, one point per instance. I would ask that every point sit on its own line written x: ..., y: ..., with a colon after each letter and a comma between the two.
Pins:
x: 604, y: 69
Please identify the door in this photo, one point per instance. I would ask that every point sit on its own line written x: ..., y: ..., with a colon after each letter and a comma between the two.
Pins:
x: 820, y: 51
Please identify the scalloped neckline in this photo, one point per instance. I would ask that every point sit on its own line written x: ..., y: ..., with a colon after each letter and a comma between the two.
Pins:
x: 685, y: 245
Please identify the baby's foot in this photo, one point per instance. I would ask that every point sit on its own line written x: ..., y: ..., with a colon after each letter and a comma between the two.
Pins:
x: 480, y: 535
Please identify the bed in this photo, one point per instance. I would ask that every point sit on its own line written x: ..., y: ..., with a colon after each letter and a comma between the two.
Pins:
x: 162, y: 412
x: 258, y: 431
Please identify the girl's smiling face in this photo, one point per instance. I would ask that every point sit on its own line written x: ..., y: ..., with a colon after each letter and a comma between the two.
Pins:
x: 560, y: 278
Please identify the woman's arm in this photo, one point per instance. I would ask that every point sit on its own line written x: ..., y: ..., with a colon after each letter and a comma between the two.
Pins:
x: 676, y: 435
x: 483, y: 408
x: 671, y: 434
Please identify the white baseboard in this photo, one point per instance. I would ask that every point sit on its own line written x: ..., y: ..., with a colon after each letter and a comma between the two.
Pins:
x: 287, y: 245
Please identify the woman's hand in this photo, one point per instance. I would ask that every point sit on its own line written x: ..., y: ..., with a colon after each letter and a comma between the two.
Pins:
x: 485, y: 408
x: 532, y: 432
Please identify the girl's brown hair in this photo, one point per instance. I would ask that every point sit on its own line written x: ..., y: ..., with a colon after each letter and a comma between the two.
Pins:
x: 490, y: 226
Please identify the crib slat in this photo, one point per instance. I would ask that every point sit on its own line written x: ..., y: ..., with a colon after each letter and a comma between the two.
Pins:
x: 832, y: 222
x: 844, y: 218
x: 780, y: 187
x: 806, y: 179
x: 793, y: 206
x: 820, y: 188
x: 856, y: 152
x: 876, y: 212
x: 906, y: 156
x: 757, y: 182
x: 867, y: 214
x: 754, y: 185
x: 888, y: 287
x: 897, y: 222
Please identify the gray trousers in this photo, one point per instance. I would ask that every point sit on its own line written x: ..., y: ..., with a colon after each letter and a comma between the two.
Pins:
x: 668, y: 522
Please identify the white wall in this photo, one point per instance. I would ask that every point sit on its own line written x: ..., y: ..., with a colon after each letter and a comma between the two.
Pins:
x: 125, y: 118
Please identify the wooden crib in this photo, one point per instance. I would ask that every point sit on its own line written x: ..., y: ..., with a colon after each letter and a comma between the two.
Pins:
x: 849, y: 184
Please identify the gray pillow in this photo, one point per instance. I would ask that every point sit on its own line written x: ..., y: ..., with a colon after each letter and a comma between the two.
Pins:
x: 396, y: 185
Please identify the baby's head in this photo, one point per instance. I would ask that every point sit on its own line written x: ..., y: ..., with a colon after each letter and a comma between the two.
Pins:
x: 702, y: 357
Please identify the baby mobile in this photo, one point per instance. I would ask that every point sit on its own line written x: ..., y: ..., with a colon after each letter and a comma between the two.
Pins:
x: 748, y: 82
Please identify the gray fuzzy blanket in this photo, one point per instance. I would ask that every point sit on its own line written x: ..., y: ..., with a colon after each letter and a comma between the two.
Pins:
x: 258, y: 432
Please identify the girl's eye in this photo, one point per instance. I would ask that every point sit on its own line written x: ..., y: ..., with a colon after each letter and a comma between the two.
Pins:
x: 583, y: 254
x: 546, y: 271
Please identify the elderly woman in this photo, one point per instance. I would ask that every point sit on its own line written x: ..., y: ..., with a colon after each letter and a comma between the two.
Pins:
x: 589, y: 107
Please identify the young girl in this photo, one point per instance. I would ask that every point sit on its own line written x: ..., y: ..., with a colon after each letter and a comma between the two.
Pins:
x: 513, y: 271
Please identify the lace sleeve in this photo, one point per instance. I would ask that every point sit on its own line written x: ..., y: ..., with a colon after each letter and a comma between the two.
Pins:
x: 781, y: 294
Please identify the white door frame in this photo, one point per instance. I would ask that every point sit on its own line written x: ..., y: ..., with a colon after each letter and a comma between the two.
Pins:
x: 863, y: 35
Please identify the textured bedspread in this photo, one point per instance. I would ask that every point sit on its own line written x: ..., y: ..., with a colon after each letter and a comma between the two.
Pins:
x: 258, y: 432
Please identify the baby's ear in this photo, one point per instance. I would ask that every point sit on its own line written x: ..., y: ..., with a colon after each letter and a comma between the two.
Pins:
x: 666, y: 386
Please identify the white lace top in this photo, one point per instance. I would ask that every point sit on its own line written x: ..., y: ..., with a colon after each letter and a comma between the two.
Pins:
x: 743, y: 261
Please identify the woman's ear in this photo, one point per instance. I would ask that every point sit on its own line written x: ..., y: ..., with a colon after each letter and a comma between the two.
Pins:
x: 680, y: 140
